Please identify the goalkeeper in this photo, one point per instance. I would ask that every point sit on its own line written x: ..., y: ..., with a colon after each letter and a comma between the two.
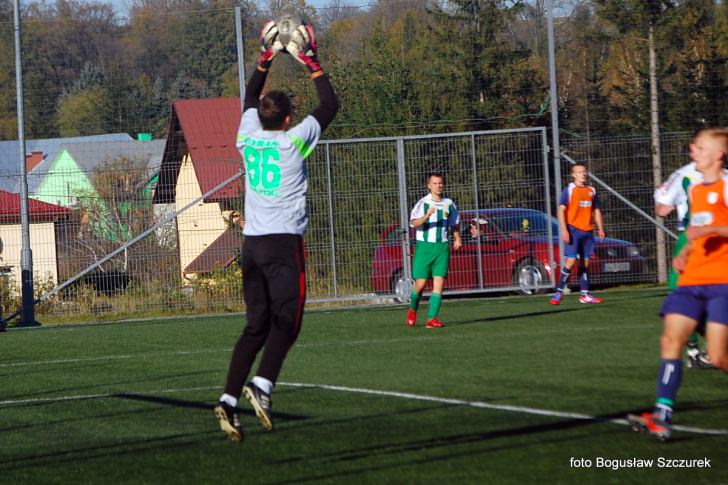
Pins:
x: 276, y: 180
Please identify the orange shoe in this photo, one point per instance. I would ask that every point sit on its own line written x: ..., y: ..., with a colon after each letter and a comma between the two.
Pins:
x: 434, y: 323
x: 556, y: 299
x: 411, y: 317
x: 651, y: 424
x: 589, y: 299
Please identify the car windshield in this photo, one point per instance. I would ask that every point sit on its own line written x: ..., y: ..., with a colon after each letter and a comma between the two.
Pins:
x: 531, y: 222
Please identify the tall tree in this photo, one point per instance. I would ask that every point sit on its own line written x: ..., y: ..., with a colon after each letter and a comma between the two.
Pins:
x: 470, y: 50
x: 582, y: 48
x: 646, y: 16
x: 208, y: 47
x: 628, y: 72
x: 694, y: 78
x: 82, y: 113
x: 8, y: 118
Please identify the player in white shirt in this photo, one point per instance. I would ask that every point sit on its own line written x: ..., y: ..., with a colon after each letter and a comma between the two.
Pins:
x: 433, y: 217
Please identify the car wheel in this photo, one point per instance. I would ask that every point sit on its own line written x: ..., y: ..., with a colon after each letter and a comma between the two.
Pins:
x: 528, y: 276
x: 401, y: 287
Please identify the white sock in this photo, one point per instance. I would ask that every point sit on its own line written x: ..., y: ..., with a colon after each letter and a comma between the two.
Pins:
x: 229, y: 399
x: 263, y: 384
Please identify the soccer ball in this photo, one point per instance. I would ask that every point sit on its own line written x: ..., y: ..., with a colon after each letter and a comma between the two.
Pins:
x: 287, y: 25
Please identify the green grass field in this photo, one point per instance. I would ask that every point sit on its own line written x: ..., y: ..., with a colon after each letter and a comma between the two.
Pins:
x: 497, y: 396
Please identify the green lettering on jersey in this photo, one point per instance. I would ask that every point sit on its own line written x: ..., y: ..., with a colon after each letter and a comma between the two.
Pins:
x: 262, y: 169
x: 257, y: 143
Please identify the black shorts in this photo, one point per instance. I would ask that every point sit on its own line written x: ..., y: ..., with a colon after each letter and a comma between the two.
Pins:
x: 274, y: 280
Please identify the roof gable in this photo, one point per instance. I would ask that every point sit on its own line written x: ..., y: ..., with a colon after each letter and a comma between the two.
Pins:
x: 63, y: 183
x: 10, y: 159
x: 90, y: 156
x: 206, y: 129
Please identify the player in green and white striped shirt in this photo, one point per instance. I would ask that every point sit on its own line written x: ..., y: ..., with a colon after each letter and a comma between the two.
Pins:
x: 434, y: 216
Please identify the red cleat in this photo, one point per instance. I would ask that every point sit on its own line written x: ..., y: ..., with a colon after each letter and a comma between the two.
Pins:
x: 589, y: 299
x: 556, y: 299
x: 411, y: 317
x: 434, y: 323
x: 651, y: 424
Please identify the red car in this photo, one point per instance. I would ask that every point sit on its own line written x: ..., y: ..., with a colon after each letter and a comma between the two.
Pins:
x: 512, y: 251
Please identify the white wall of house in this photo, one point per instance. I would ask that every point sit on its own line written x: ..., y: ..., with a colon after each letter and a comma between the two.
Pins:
x: 43, y: 246
x: 199, y: 226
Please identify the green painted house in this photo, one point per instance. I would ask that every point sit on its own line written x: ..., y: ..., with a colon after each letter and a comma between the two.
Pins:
x: 99, y: 177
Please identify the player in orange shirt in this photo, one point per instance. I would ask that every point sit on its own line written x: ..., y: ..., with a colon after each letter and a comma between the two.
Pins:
x: 702, y: 292
x: 579, y: 208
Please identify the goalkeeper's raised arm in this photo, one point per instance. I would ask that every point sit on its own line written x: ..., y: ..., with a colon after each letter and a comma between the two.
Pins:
x: 270, y: 46
x: 302, y: 46
x: 328, y: 103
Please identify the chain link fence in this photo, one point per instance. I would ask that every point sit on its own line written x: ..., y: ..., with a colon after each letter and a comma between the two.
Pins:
x: 625, y: 165
x: 100, y: 128
x: 358, y: 242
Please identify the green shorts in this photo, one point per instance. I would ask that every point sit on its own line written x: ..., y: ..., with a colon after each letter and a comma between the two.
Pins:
x: 431, y: 259
x: 680, y: 243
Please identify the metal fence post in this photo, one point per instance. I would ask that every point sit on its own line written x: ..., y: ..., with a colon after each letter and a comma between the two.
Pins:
x: 403, y: 210
x: 555, y: 118
x: 26, y: 254
x: 656, y: 153
x: 477, y: 205
x: 330, y: 200
x: 241, y: 54
x: 549, y: 209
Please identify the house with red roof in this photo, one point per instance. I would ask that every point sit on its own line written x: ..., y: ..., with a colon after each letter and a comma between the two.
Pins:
x: 44, y: 219
x: 199, y: 154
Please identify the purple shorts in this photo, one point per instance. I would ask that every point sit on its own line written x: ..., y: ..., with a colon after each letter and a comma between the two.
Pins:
x: 581, y: 244
x: 701, y: 302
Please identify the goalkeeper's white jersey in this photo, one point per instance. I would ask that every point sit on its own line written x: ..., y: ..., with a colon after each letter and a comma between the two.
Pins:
x: 674, y: 192
x: 276, y: 177
x: 437, y: 227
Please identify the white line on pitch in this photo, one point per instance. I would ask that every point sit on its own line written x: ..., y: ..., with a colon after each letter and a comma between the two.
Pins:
x: 113, y: 357
x: 359, y: 390
x: 498, y: 407
x: 67, y: 361
x: 82, y: 397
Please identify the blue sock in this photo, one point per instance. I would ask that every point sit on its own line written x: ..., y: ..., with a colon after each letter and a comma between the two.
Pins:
x: 668, y: 382
x: 584, y: 280
x: 565, y: 274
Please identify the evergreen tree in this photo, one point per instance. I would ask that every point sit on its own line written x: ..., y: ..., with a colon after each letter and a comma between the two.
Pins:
x: 489, y: 81
x: 626, y: 72
x: 8, y: 116
x: 159, y: 109
x: 208, y: 46
x: 185, y: 88
x: 694, y: 78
